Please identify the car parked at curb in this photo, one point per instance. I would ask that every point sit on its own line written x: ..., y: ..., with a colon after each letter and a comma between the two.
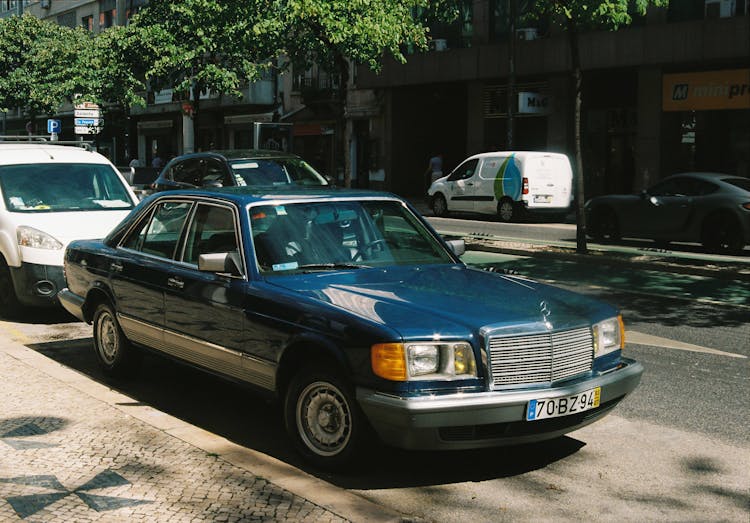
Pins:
x: 708, y: 208
x: 349, y: 309
x: 237, y: 168
x: 51, y: 194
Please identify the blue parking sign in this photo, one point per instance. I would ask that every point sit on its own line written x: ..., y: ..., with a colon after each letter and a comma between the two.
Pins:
x: 54, y: 126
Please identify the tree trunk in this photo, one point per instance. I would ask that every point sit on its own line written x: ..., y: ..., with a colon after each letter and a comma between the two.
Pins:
x: 344, y: 124
x: 575, y: 56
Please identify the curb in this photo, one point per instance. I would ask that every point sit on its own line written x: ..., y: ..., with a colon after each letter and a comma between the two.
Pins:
x: 663, y: 263
x: 339, y: 501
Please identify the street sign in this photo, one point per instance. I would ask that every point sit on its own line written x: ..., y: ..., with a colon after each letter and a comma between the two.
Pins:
x: 94, y: 122
x: 53, y: 126
x: 86, y: 105
x: 87, y: 113
x: 87, y: 130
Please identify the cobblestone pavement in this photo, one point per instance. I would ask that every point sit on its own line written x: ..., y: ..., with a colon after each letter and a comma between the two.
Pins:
x: 66, y: 455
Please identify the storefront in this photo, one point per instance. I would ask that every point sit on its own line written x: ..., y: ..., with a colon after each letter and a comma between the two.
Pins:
x: 706, y: 121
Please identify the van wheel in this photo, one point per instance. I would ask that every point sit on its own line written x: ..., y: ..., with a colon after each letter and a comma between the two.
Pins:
x: 323, y: 418
x: 116, y: 356
x: 506, y: 210
x: 439, y: 206
x: 9, y: 306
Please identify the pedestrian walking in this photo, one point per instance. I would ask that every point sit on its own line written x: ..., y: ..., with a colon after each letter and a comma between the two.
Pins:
x: 434, y: 169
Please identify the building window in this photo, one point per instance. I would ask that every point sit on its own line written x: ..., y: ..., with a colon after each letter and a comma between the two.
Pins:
x: 107, y: 18
x: 67, y: 19
x: 87, y: 22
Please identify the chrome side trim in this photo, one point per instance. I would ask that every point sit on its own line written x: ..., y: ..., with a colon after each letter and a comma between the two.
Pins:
x: 220, y: 359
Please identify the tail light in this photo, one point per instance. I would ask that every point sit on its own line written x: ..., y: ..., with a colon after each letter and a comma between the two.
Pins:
x: 525, y: 185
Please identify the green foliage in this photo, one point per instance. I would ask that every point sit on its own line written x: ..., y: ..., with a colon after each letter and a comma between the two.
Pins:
x: 596, y: 14
x: 325, y: 32
x: 193, y: 45
x: 39, y: 63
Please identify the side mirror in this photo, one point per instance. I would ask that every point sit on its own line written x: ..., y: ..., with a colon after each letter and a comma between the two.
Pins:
x: 221, y: 262
x: 457, y: 246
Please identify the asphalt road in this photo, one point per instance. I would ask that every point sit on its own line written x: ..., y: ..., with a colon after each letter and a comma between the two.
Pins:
x: 676, y: 450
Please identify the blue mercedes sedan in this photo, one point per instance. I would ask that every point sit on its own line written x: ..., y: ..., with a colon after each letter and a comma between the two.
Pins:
x: 350, y: 310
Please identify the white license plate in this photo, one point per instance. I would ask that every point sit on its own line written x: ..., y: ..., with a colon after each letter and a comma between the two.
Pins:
x: 555, y: 407
x: 542, y: 198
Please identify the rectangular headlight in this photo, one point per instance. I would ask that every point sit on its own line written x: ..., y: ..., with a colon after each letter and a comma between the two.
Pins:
x: 423, y: 361
x: 609, y: 336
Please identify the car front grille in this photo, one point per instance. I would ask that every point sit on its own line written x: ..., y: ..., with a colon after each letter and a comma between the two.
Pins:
x: 540, y: 358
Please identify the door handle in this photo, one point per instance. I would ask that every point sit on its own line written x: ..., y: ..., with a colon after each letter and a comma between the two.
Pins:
x: 176, y: 283
x: 470, y: 183
x: 115, y: 267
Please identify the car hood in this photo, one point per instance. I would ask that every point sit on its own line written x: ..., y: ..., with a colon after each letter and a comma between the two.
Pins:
x: 448, y: 300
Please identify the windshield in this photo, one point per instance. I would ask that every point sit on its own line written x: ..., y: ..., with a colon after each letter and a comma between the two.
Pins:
x: 337, y: 235
x: 275, y: 171
x: 62, y: 187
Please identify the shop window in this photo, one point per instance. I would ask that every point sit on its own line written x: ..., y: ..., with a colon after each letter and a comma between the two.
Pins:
x: 107, y: 18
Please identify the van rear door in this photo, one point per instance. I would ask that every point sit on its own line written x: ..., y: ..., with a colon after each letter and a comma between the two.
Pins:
x: 550, y: 181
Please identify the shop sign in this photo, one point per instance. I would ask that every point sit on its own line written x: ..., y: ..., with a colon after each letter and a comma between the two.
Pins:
x: 163, y: 97
x: 711, y: 90
x: 533, y: 103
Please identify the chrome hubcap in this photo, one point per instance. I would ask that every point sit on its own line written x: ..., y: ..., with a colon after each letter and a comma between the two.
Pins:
x: 107, y: 338
x: 323, y: 419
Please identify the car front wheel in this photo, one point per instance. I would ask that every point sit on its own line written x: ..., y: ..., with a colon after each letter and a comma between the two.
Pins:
x: 324, y: 420
x: 116, y: 356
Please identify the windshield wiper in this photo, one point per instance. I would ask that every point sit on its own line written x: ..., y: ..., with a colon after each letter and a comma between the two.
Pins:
x: 331, y: 266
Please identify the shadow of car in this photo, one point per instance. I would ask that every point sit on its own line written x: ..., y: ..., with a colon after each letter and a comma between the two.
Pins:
x: 241, y: 167
x: 708, y: 208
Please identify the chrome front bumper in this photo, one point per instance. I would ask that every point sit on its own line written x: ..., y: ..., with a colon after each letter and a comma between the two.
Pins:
x: 485, y: 419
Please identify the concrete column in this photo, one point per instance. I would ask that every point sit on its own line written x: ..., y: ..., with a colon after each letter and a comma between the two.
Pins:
x: 121, y: 6
x: 188, y: 134
x: 648, y: 137
x: 475, y: 118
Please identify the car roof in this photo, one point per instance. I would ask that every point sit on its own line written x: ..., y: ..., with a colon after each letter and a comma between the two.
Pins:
x: 239, y: 154
x: 518, y: 154
x: 248, y: 195
x: 705, y: 175
x: 29, y: 153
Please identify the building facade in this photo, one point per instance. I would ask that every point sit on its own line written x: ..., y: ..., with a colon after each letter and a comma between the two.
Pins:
x: 669, y: 93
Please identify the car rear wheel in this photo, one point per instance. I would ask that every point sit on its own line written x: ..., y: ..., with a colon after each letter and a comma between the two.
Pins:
x: 507, y: 210
x: 723, y: 234
x: 324, y: 420
x: 116, y: 356
x: 604, y: 225
x: 9, y: 305
x: 439, y: 205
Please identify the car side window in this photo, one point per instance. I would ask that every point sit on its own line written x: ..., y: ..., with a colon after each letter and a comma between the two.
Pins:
x: 159, y: 235
x: 212, y: 230
x: 464, y: 171
x: 189, y: 171
x: 665, y: 188
x: 491, y: 167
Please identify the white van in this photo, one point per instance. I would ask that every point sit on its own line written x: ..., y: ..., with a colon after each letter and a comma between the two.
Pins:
x: 506, y: 183
x: 50, y: 195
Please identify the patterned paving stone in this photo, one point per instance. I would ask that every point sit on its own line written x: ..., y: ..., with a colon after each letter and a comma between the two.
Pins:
x: 65, y: 456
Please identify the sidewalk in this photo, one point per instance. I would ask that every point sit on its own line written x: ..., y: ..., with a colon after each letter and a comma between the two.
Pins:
x: 73, y: 450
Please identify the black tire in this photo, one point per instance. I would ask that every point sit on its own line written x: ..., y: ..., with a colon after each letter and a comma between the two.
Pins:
x: 507, y: 210
x: 604, y: 225
x: 114, y: 352
x: 439, y: 206
x: 723, y: 234
x: 324, y: 420
x: 9, y: 305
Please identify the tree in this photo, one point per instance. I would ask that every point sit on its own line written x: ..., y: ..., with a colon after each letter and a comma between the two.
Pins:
x: 333, y: 33
x: 39, y: 64
x: 575, y: 16
x: 193, y: 46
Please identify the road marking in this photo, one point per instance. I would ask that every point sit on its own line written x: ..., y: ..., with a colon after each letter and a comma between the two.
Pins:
x: 647, y: 339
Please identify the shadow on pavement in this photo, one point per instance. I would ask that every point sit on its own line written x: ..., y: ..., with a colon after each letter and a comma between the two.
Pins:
x: 248, y: 419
